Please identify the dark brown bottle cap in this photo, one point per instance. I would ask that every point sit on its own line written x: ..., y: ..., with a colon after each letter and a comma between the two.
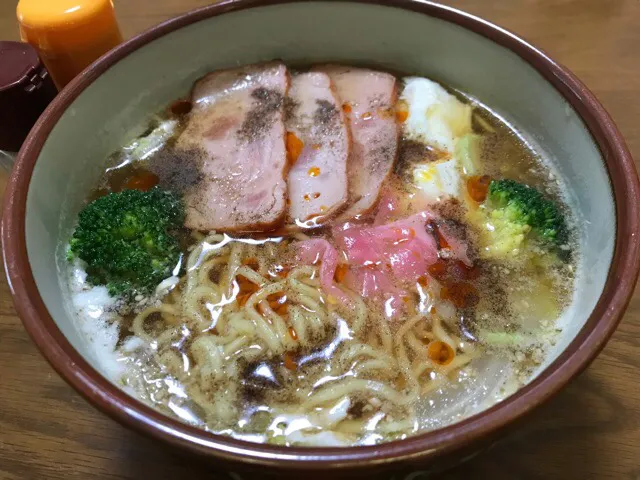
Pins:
x: 25, y: 91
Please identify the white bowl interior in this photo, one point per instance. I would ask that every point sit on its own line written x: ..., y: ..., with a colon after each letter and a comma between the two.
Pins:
x: 116, y: 106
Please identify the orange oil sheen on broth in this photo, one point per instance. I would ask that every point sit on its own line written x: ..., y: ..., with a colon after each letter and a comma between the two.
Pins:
x: 294, y: 147
x: 246, y: 386
x: 478, y: 187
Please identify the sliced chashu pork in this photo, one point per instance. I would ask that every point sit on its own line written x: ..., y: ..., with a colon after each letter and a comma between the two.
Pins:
x: 236, y: 132
x: 369, y: 98
x: 318, y: 144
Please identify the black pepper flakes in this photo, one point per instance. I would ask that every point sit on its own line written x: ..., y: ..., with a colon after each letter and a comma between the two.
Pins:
x: 261, y: 116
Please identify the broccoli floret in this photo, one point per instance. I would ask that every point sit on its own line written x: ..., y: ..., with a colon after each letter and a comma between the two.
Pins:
x: 517, y: 222
x: 503, y: 236
x: 127, y: 240
x: 526, y: 206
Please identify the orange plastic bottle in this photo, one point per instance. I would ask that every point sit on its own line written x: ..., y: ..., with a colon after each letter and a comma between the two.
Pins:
x: 68, y: 34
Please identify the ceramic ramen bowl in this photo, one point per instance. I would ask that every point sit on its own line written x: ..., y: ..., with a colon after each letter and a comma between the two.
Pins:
x: 61, y: 162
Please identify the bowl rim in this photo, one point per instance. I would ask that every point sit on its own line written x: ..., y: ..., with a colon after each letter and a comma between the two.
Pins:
x: 117, y: 404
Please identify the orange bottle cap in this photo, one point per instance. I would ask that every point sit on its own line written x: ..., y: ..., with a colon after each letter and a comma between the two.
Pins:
x: 69, y: 34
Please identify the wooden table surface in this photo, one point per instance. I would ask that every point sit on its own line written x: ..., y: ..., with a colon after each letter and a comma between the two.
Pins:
x: 590, y: 430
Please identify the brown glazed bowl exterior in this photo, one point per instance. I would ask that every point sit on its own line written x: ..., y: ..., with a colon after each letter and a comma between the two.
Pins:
x: 427, y: 451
